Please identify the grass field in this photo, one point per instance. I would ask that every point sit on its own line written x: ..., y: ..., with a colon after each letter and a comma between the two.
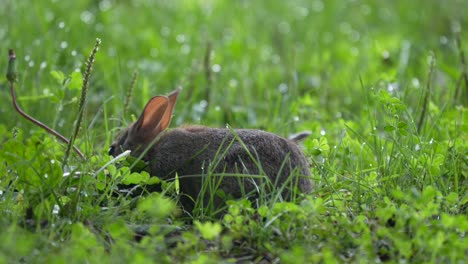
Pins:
x: 382, y: 86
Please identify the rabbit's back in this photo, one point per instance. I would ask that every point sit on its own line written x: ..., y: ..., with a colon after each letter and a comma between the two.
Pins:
x: 194, y: 152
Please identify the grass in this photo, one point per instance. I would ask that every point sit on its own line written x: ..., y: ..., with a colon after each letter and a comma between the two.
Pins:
x: 380, y: 84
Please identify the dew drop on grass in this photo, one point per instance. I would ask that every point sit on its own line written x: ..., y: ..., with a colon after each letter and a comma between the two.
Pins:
x: 303, y: 11
x: 265, y: 53
x: 417, y: 147
x: 431, y: 141
x: 165, y: 31
x: 283, y: 88
x: 49, y: 15
x: 323, y: 132
x: 233, y: 83
x: 73, y: 53
x: 61, y: 24
x: 199, y: 109
x: 46, y: 175
x: 216, y: 68
x: 43, y: 65
x: 456, y: 27
x: 185, y: 49
x: 296, y: 119
x: 443, y: 40
x: 392, y: 87
x: 314, y: 81
x: 105, y: 5
x: 180, y: 38
x: 386, y: 55
x: 203, y: 104
x: 317, y: 6
x: 217, y: 108
x: 31, y: 64
x: 415, y: 82
x: 56, y: 209
x: 87, y: 17
x: 27, y: 58
x: 429, y: 59
x: 63, y: 44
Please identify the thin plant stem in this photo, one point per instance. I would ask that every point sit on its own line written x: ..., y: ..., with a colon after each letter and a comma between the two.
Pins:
x: 84, y: 90
x: 208, y: 73
x: 464, y: 72
x: 427, y: 94
x: 11, y: 77
x: 128, y: 97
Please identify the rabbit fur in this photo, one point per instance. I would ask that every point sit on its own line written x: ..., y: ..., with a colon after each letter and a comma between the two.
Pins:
x: 193, y: 152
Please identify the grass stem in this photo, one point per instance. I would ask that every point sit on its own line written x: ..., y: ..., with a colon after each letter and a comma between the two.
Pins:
x: 84, y: 90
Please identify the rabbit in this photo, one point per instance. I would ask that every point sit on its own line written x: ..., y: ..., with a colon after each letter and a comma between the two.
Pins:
x: 192, y: 152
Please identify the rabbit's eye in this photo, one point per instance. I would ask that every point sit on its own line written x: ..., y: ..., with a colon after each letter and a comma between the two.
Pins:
x: 111, y: 150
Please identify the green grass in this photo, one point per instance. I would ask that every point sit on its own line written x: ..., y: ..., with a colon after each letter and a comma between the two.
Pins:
x: 357, y: 74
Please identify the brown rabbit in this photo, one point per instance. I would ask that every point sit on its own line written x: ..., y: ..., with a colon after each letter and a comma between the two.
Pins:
x: 193, y: 152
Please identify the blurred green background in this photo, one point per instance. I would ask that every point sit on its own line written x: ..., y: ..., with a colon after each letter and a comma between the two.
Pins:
x: 283, y: 66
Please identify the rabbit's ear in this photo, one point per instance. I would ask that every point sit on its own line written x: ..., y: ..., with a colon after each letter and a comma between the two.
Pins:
x: 149, y: 124
x: 157, y: 115
x: 166, y: 120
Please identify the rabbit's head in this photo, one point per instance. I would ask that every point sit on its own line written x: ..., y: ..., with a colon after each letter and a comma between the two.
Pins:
x: 154, y: 119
